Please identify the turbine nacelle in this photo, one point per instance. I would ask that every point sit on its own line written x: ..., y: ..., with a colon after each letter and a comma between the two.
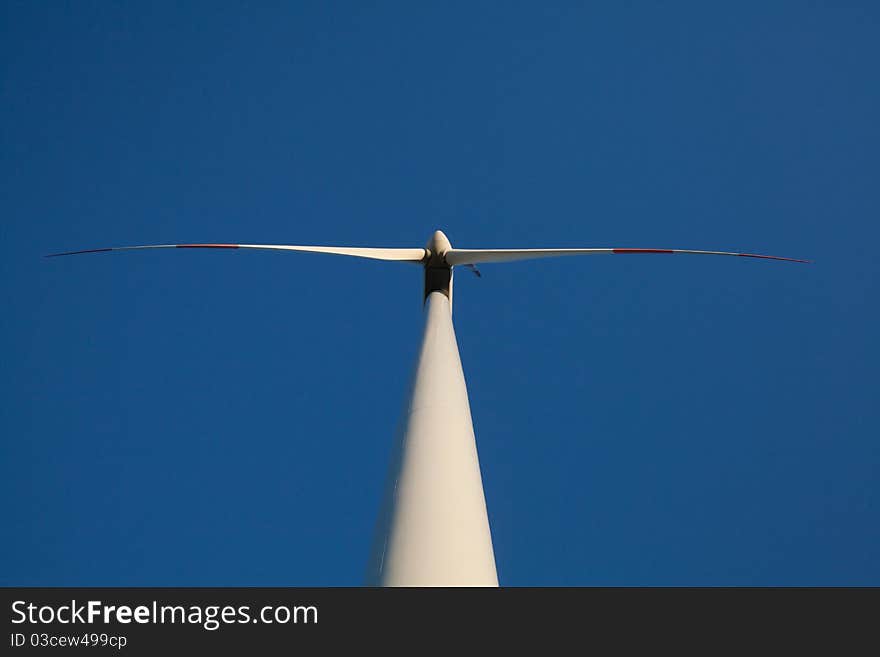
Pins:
x: 438, y: 272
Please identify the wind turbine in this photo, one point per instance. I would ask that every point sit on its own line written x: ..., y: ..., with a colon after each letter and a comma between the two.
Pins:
x: 433, y: 528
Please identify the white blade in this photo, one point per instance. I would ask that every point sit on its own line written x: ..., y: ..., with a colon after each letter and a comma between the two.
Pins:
x: 402, y: 255
x: 477, y: 256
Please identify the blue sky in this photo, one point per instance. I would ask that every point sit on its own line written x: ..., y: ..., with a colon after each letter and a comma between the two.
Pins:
x: 225, y: 418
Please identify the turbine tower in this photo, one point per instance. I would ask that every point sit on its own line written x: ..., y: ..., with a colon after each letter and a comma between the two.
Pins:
x: 433, y: 528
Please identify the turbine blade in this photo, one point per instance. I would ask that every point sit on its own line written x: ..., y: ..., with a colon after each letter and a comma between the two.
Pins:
x: 476, y: 256
x: 402, y: 255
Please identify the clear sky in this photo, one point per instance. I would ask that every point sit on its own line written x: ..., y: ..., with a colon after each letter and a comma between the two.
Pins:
x: 225, y: 418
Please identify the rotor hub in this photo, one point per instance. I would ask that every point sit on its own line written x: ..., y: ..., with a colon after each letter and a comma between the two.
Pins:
x: 438, y: 245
